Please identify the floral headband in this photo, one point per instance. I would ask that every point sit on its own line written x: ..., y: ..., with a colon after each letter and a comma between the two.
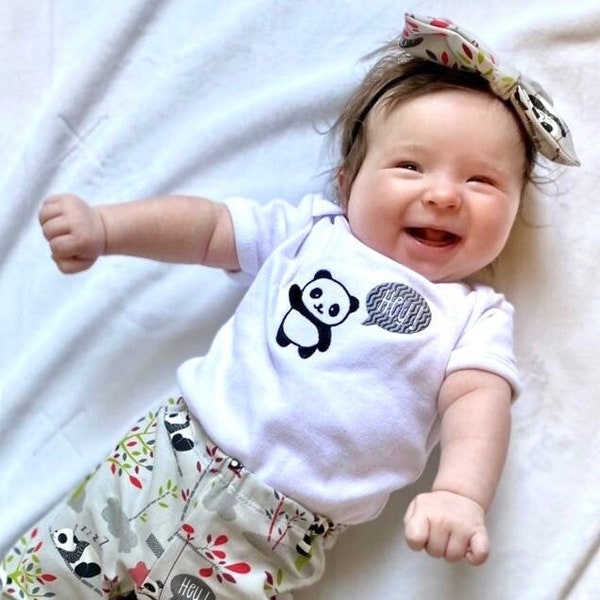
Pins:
x: 442, y: 42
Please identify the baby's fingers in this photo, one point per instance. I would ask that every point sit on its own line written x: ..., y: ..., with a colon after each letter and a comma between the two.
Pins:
x: 416, y: 528
x: 70, y: 266
x: 54, y: 227
x: 479, y: 548
x: 51, y: 208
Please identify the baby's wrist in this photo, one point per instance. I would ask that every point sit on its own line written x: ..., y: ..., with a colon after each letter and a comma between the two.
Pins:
x: 103, y: 230
x: 459, y: 494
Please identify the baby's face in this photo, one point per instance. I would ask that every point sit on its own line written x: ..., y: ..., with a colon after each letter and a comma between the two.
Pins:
x: 440, y: 184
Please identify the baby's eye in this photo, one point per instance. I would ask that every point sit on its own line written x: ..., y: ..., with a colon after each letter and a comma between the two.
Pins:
x: 483, y: 179
x: 407, y: 165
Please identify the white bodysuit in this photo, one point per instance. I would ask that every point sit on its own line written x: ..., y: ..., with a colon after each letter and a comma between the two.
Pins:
x: 325, y: 381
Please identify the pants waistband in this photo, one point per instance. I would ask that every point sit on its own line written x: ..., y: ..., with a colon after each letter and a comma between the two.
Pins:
x: 230, y: 473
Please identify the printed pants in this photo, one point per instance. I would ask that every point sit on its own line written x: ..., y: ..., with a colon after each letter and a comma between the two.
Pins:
x: 169, y: 515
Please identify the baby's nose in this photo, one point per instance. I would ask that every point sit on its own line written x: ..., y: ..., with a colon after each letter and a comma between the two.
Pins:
x: 443, y: 193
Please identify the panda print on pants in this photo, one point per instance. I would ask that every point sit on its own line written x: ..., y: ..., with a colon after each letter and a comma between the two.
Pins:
x: 78, y: 554
x: 180, y: 431
x: 321, y: 304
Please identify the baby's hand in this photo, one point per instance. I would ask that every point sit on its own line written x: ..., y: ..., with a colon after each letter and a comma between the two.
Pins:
x: 447, y: 525
x: 74, y: 231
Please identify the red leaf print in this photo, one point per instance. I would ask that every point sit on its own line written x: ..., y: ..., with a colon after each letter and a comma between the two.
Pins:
x: 135, y: 482
x: 34, y: 532
x: 219, y: 554
x: 131, y: 444
x: 47, y: 577
x: 228, y: 577
x: 38, y: 546
x: 445, y: 58
x: 113, y: 468
x: 240, y: 567
x: 206, y: 572
x: 139, y: 573
x: 188, y: 529
x: 439, y: 23
x: 467, y: 51
x: 222, y: 539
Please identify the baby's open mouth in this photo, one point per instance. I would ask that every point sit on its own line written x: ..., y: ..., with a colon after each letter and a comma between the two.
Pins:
x: 433, y: 237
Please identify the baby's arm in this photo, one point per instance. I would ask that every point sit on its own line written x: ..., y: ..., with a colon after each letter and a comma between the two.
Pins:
x: 449, y: 521
x: 168, y: 228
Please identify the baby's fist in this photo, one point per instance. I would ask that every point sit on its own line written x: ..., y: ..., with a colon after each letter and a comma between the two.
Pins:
x: 74, y: 231
x: 447, y: 525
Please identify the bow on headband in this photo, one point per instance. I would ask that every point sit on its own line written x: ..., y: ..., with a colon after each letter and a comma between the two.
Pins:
x: 441, y: 41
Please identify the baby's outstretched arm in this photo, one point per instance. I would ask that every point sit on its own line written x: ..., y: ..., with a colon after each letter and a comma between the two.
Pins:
x: 449, y: 521
x: 168, y: 228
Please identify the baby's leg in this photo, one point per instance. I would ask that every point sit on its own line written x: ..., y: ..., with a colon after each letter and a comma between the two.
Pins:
x: 45, y: 559
x: 103, y: 539
x: 169, y: 515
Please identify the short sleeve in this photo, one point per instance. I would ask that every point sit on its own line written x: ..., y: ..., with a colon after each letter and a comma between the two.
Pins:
x: 260, y: 228
x: 487, y: 341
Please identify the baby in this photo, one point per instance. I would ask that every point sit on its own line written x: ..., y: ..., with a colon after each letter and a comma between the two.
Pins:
x: 356, y: 349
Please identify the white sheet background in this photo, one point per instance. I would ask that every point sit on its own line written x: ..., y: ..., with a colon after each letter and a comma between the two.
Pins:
x: 119, y: 99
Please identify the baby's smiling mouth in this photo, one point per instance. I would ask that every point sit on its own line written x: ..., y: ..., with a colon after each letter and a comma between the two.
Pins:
x: 430, y: 236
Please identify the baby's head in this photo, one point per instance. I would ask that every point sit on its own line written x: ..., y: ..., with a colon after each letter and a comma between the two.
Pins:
x: 403, y: 78
x: 436, y: 152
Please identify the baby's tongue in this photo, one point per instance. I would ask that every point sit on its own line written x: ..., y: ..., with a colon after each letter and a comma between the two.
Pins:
x: 436, y: 237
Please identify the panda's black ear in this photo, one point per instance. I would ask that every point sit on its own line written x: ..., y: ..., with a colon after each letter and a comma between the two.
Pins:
x: 354, y: 303
x: 323, y: 274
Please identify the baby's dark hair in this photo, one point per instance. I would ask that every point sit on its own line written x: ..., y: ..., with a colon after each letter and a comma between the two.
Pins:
x: 400, y: 77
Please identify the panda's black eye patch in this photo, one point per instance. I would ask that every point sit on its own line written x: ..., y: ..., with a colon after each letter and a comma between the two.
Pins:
x: 334, y: 310
x: 316, y: 293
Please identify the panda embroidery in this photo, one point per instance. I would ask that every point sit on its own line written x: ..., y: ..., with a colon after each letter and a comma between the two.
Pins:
x: 320, y: 305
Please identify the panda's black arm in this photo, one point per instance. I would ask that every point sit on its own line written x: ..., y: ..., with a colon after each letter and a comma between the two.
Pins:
x: 324, y: 337
x: 295, y: 295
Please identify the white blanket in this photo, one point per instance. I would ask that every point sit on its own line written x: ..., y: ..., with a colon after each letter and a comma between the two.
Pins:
x: 119, y: 99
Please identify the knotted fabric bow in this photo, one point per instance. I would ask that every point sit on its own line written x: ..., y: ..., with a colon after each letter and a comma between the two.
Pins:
x: 441, y: 41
